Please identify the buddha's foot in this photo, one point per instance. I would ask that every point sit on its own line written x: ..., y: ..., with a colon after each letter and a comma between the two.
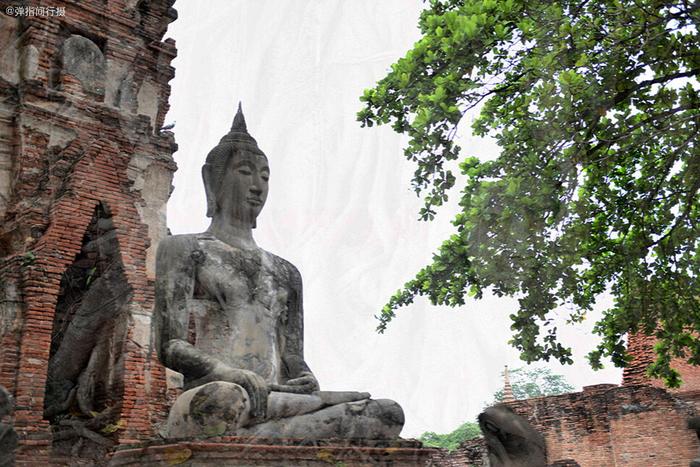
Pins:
x: 221, y: 408
x: 364, y: 419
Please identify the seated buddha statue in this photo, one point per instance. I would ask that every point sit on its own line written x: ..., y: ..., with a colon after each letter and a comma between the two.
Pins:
x: 229, y: 318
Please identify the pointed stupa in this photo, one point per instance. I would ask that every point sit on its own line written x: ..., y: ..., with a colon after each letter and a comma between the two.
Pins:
x: 507, y: 388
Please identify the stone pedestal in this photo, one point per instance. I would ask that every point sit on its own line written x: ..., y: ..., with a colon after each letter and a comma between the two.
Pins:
x: 241, y: 451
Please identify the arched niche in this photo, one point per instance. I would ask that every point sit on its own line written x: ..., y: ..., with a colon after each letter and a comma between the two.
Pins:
x: 85, y: 371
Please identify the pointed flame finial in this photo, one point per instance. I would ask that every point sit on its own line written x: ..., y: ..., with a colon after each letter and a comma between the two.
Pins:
x: 239, y: 120
x: 239, y: 132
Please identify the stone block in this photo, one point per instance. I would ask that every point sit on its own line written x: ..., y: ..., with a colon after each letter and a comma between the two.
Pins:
x: 241, y: 451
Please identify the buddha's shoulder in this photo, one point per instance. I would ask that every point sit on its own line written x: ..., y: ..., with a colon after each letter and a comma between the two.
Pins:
x: 283, y: 264
x: 179, y: 242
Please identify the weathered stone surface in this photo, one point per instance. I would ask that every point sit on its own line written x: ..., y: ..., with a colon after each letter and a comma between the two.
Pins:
x: 83, y: 59
x: 154, y: 182
x: 229, y: 312
x: 510, y: 439
x: 339, y: 397
x: 9, y: 37
x: 212, y: 409
x: 148, y: 102
x: 364, y: 419
x: 29, y: 62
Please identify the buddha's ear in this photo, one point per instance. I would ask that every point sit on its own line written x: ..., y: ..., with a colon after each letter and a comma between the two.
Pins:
x: 211, y: 197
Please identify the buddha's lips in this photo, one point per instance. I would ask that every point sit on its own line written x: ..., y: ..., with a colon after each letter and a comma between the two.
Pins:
x: 255, y: 201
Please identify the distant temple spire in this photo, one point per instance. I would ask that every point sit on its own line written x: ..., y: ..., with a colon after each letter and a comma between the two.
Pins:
x: 507, y: 388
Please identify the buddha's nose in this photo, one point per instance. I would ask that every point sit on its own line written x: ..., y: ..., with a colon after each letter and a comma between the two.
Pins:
x: 256, y: 190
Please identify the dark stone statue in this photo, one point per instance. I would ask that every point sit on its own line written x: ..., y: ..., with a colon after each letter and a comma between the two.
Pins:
x: 229, y: 317
x: 694, y: 424
x: 510, y: 439
x: 8, y: 436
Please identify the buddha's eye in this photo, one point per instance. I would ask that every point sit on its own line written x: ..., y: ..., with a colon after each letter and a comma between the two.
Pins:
x: 244, y: 171
x: 265, y: 177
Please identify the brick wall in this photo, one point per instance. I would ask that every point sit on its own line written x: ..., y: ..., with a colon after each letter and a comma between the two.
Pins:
x: 609, y: 425
x: 641, y: 347
x: 83, y: 98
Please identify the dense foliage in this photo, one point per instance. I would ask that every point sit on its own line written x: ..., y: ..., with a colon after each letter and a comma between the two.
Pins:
x: 451, y: 441
x: 595, y: 107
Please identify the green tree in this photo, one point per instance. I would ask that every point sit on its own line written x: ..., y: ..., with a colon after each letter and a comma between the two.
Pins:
x: 595, y: 107
x: 450, y: 441
x: 534, y: 382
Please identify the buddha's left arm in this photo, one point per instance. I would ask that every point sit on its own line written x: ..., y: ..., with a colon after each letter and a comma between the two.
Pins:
x: 295, y: 371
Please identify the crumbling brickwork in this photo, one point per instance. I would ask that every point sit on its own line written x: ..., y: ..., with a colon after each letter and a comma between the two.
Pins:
x: 606, y: 425
x: 611, y: 425
x: 82, y: 100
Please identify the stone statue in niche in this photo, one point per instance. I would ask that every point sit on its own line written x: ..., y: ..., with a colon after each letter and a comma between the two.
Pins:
x: 89, y: 330
x: 229, y: 317
x: 510, y: 439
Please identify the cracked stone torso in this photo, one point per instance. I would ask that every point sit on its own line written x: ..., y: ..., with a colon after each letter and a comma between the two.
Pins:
x: 240, y: 297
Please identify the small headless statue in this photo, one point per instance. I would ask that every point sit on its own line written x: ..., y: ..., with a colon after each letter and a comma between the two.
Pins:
x: 229, y: 317
x: 510, y: 439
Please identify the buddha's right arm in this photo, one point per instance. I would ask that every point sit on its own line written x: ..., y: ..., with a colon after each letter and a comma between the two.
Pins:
x: 175, y: 281
x: 183, y: 357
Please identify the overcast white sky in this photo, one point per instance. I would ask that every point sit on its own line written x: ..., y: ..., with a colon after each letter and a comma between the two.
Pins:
x: 340, y: 206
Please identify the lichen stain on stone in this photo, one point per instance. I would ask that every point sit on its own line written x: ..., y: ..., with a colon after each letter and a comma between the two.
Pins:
x: 325, y: 456
x: 216, y: 429
x: 175, y: 456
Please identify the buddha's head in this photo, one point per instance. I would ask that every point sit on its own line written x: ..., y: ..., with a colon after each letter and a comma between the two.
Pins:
x: 236, y: 175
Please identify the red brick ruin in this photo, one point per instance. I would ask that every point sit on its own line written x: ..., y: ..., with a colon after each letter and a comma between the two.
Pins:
x: 85, y: 174
x: 637, y: 423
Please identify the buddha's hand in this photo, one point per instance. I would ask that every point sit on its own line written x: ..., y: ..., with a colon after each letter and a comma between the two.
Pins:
x: 305, y: 383
x: 254, y: 384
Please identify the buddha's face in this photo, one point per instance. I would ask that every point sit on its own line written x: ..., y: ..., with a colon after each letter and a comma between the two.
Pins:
x: 244, y: 187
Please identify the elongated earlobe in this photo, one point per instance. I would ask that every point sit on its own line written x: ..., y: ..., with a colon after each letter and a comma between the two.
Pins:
x: 208, y: 190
